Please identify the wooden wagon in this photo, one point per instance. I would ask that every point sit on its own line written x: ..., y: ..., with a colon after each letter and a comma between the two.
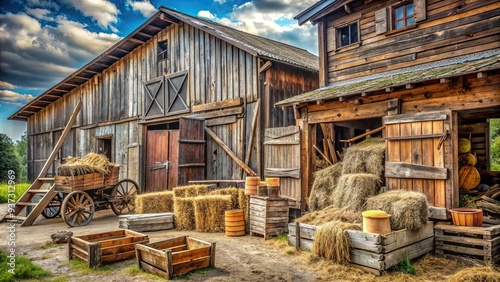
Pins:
x: 78, y: 197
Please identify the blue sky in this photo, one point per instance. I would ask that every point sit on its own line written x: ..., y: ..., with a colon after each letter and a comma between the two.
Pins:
x: 44, y: 41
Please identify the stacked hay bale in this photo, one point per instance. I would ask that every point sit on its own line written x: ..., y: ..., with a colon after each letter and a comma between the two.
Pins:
x: 407, y: 209
x: 365, y: 157
x: 353, y: 190
x: 331, y: 241
x: 209, y: 212
x: 231, y: 191
x: 157, y: 202
x: 325, y: 182
x: 190, y: 191
x: 329, y: 214
x: 184, y: 205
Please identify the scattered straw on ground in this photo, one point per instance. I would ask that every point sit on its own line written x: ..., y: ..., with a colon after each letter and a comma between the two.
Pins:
x: 90, y: 163
x: 209, y: 212
x: 365, y: 157
x: 231, y: 191
x: 323, y: 187
x: 190, y: 191
x: 353, y: 190
x: 328, y: 214
x: 408, y: 209
x: 157, y: 202
x: 184, y: 213
x: 331, y: 241
x: 476, y: 274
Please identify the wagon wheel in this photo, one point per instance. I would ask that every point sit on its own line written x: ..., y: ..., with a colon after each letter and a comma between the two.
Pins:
x: 53, y: 209
x: 78, y: 209
x: 123, y: 196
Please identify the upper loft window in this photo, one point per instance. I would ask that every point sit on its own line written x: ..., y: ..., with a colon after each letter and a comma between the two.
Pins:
x: 404, y: 16
x: 347, y: 35
x: 162, y: 50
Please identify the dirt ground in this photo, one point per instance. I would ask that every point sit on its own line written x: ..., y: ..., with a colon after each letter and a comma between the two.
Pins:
x: 237, y: 258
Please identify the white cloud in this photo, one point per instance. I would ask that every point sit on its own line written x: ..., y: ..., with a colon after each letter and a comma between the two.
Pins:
x: 220, y: 1
x: 38, y: 13
x: 102, y: 11
x: 206, y: 14
x: 36, y: 56
x: 144, y: 7
x: 13, y: 97
x: 5, y: 84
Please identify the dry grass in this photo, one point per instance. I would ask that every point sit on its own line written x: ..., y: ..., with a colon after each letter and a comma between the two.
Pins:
x: 353, y: 190
x: 243, y: 204
x: 328, y: 214
x: 231, y: 191
x: 190, y: 191
x: 331, y: 241
x: 476, y: 274
x: 365, y: 157
x: 407, y: 209
x: 157, y: 202
x: 90, y: 163
x: 184, y: 213
x: 323, y: 187
x: 209, y: 212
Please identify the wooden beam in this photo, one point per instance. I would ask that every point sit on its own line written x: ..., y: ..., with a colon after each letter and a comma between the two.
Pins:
x: 415, y: 117
x: 166, y: 18
x: 347, y: 9
x: 218, y: 105
x: 82, y: 77
x: 229, y: 152
x: 113, y: 57
x: 389, y: 89
x: 296, y: 111
x: 122, y: 50
x: 60, y: 90
x: 482, y: 74
x: 323, y: 155
x: 414, y: 171
x: 70, y: 84
x: 102, y: 65
x: 363, y: 135
x: 445, y: 80
x: 221, y: 121
x: 252, y: 132
x: 145, y: 34
x: 136, y: 40
x: 265, y: 66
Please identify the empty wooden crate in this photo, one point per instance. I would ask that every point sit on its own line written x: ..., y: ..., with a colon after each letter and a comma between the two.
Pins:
x: 105, y: 247
x: 268, y: 216
x: 175, y: 256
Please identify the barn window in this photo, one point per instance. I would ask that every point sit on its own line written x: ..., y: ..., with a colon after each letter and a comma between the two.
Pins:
x: 404, y: 16
x: 162, y: 50
x: 347, y: 34
x: 105, y: 146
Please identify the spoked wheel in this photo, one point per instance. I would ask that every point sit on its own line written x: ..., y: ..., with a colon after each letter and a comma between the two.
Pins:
x: 53, y: 209
x: 78, y: 209
x: 123, y: 196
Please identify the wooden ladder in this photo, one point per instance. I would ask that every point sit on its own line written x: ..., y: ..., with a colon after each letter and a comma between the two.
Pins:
x: 36, y: 186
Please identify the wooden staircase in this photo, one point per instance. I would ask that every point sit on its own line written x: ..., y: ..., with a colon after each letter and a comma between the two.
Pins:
x: 36, y: 187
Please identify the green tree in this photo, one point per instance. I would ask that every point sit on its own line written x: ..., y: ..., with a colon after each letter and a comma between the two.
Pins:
x: 22, y: 153
x: 494, y: 127
x: 495, y: 154
x: 8, y: 158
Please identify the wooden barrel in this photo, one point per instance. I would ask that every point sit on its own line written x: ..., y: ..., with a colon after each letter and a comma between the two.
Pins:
x: 273, y: 181
x: 376, y: 221
x: 252, y: 180
x: 235, y: 223
x: 251, y: 189
x: 273, y: 191
x: 467, y: 217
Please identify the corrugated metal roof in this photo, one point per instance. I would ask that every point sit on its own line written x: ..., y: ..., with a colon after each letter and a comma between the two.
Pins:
x: 256, y: 45
x: 471, y: 63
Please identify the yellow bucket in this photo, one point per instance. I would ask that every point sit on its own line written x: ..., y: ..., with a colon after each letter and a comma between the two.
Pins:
x: 376, y: 221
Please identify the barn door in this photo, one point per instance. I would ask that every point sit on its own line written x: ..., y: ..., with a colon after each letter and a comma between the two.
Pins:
x: 191, y: 149
x: 154, y: 98
x: 161, y: 171
x: 420, y: 156
x: 282, y: 159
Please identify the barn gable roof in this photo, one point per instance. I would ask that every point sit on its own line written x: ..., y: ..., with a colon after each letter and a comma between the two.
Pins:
x: 255, y: 45
x: 472, y: 63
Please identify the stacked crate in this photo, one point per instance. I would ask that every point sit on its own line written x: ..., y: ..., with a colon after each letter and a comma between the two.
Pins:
x: 268, y: 216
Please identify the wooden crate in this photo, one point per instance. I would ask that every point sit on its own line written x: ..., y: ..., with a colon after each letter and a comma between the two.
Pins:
x: 373, y: 253
x: 105, y: 247
x: 147, y: 221
x: 268, y: 216
x: 175, y: 256
x: 114, y: 175
x: 84, y: 182
x: 480, y: 244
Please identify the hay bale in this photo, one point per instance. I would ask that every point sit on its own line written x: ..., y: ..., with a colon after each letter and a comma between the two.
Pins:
x: 190, y: 191
x: 365, y: 157
x: 353, y: 190
x: 243, y: 204
x: 99, y: 162
x: 184, y: 213
x: 157, y: 202
x: 90, y: 163
x: 475, y: 274
x: 331, y: 241
x: 231, y: 191
x: 209, y: 212
x: 408, y: 209
x: 323, y: 187
x: 329, y: 214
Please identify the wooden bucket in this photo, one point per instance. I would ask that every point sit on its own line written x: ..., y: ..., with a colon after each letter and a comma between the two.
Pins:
x: 376, y: 221
x: 273, y: 181
x: 252, y: 181
x: 251, y: 190
x: 273, y: 191
x: 234, y: 223
x: 262, y: 189
x: 467, y: 217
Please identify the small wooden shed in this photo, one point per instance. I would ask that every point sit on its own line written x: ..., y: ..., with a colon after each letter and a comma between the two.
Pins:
x: 150, y: 100
x: 420, y: 79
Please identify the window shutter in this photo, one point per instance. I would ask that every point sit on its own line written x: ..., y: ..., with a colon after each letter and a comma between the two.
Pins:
x: 420, y: 10
x: 381, y: 21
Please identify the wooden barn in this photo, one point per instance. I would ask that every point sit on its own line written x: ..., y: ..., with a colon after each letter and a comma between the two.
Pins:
x: 420, y: 74
x: 181, y: 98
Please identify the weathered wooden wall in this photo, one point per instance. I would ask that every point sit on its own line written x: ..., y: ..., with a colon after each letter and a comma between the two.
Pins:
x: 452, y: 28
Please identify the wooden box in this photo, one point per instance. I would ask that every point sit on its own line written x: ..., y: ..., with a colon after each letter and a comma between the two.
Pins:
x: 268, y: 216
x: 105, y: 247
x: 373, y: 253
x: 175, y: 256
x: 481, y: 244
x: 113, y: 177
x: 87, y: 181
x: 147, y: 221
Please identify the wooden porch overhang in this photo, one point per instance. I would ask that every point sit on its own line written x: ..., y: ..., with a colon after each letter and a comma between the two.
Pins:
x: 407, y: 77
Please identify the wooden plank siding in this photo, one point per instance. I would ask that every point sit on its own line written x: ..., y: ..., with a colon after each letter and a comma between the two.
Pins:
x: 452, y: 28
